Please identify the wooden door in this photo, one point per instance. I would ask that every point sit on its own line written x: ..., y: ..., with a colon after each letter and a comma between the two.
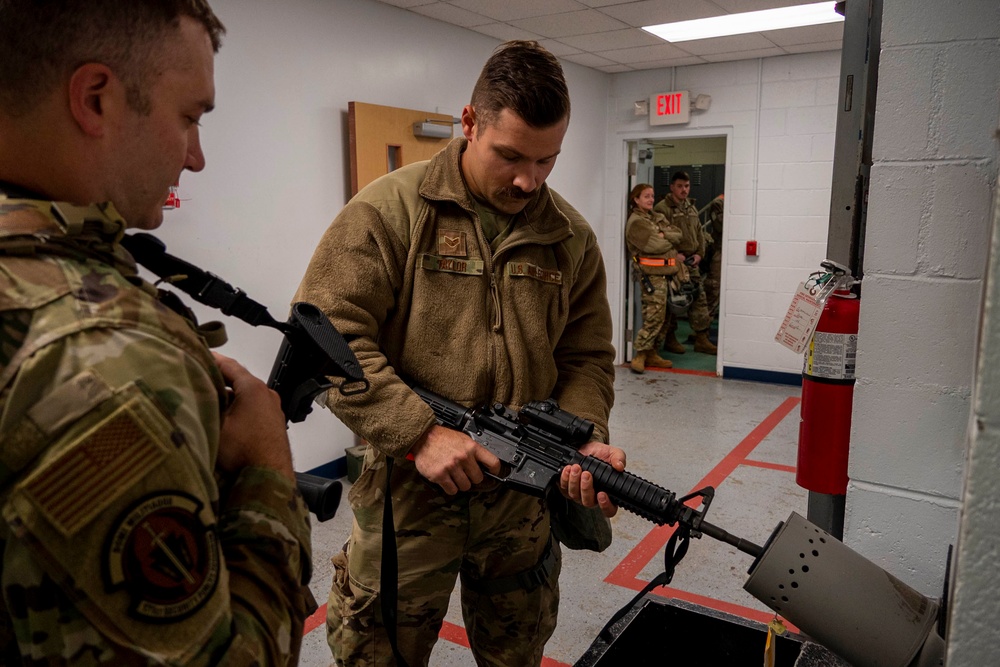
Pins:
x: 382, y: 140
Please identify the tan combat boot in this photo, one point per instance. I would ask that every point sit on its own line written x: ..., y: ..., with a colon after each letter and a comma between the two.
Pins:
x: 638, y: 364
x: 672, y: 345
x: 703, y: 344
x: 654, y: 360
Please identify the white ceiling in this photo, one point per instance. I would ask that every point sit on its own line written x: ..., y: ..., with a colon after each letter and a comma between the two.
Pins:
x: 606, y: 34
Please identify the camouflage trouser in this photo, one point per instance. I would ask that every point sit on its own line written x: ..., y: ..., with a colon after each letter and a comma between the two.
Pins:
x: 713, y: 281
x: 698, y: 314
x: 483, y: 535
x: 654, y: 316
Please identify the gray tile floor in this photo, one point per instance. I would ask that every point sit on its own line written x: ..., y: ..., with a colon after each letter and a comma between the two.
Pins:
x: 682, y: 432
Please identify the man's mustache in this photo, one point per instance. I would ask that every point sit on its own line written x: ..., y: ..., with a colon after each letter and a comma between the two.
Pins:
x: 515, y: 193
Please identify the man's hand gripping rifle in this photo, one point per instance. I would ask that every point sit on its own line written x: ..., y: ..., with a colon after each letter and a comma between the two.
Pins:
x: 311, y: 352
x: 535, y: 444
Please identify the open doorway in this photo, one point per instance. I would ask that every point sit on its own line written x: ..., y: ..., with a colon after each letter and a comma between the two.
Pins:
x: 703, y: 159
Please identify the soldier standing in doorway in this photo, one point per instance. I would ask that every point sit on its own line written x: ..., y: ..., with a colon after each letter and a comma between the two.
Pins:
x: 679, y: 210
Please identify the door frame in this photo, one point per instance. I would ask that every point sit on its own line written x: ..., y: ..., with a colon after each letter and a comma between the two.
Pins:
x: 619, y: 189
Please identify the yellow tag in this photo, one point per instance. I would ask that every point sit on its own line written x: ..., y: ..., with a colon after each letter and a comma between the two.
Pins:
x: 774, y: 628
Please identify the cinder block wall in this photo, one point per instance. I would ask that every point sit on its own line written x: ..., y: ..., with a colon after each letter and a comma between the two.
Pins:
x: 780, y: 113
x: 935, y: 166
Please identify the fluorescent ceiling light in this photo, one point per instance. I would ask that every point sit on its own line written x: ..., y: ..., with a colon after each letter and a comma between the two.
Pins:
x: 739, y: 24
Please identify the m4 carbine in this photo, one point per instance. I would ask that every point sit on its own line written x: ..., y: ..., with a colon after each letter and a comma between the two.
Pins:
x: 538, y: 441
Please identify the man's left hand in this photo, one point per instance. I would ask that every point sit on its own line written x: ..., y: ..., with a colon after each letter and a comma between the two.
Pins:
x: 578, y: 484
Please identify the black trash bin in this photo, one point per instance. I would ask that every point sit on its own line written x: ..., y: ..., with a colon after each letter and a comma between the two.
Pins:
x: 668, y: 632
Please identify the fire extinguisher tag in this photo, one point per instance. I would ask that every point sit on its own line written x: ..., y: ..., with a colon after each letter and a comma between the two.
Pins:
x: 800, y: 320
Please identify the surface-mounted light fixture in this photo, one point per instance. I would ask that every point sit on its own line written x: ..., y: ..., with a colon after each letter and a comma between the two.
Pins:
x: 739, y: 24
x: 436, y: 129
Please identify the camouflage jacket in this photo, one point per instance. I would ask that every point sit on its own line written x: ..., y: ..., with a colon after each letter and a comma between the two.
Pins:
x: 407, y: 270
x: 651, y: 236
x: 118, y: 545
x: 685, y: 216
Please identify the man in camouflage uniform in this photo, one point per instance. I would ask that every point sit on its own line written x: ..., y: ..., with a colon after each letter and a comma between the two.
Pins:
x: 713, y: 277
x: 469, y: 276
x: 681, y: 212
x: 139, y: 526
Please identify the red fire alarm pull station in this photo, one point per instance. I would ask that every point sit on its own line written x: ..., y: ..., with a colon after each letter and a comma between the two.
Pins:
x: 751, y: 248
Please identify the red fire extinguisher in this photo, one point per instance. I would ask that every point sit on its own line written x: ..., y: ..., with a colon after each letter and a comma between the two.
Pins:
x: 828, y: 390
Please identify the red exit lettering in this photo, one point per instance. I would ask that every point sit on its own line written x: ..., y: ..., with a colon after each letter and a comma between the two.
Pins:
x: 668, y: 105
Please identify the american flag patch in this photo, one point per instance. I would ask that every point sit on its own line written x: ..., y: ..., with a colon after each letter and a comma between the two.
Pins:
x: 92, y: 472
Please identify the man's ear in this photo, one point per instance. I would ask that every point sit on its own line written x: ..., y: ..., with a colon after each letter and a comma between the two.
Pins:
x: 468, y: 121
x: 94, y: 94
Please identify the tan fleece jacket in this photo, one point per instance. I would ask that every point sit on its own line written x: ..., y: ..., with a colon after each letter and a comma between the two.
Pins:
x: 406, y: 271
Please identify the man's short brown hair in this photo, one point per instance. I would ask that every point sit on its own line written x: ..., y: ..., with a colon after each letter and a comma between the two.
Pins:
x: 525, y: 78
x: 43, y: 41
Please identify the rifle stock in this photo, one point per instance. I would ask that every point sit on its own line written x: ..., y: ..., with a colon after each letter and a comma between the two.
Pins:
x: 311, y: 352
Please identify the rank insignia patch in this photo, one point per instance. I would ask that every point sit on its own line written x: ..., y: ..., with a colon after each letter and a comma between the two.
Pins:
x: 452, y: 244
x: 164, y: 555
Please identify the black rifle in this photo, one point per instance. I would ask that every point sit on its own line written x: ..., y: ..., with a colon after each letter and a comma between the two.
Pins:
x: 312, y: 350
x: 535, y: 444
x: 647, y: 284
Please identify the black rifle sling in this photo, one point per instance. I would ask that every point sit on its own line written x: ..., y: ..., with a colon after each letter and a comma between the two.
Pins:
x: 389, y: 584
x: 674, y: 552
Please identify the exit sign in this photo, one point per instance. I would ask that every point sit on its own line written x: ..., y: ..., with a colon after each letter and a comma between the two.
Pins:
x: 670, y: 108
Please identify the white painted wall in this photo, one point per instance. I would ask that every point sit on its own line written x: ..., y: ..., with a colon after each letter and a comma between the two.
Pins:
x: 780, y: 117
x: 935, y: 166
x: 276, y: 145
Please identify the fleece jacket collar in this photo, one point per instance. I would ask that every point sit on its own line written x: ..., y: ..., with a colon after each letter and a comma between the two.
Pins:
x: 541, y: 221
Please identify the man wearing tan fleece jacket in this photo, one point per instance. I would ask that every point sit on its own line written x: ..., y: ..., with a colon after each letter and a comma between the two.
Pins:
x: 467, y: 275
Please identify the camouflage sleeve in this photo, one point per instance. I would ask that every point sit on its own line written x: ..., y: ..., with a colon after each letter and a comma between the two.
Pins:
x: 354, y: 277
x: 118, y: 546
x: 643, y: 236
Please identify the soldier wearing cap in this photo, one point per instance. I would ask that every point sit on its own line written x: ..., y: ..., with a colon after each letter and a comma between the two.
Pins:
x: 681, y: 212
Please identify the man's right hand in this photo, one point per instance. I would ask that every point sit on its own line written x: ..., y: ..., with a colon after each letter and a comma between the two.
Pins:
x: 451, y: 459
x: 253, y: 432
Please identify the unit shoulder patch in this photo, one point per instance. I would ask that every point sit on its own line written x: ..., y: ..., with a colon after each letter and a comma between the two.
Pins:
x: 161, y: 552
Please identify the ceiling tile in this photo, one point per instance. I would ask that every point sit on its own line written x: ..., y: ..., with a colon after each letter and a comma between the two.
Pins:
x: 669, y: 62
x: 644, y: 54
x: 504, y: 31
x: 588, y: 60
x: 558, y: 48
x: 701, y: 47
x: 744, y: 55
x: 614, y: 69
x: 407, y: 3
x: 513, y: 10
x: 442, y: 11
x: 613, y: 39
x: 604, y: 3
x: 737, y: 6
x: 572, y: 23
x: 652, y: 12
x: 814, y: 47
x: 828, y: 32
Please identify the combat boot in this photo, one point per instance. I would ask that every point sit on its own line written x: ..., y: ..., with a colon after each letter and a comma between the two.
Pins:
x: 703, y: 344
x: 638, y: 364
x: 654, y: 360
x: 672, y: 345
